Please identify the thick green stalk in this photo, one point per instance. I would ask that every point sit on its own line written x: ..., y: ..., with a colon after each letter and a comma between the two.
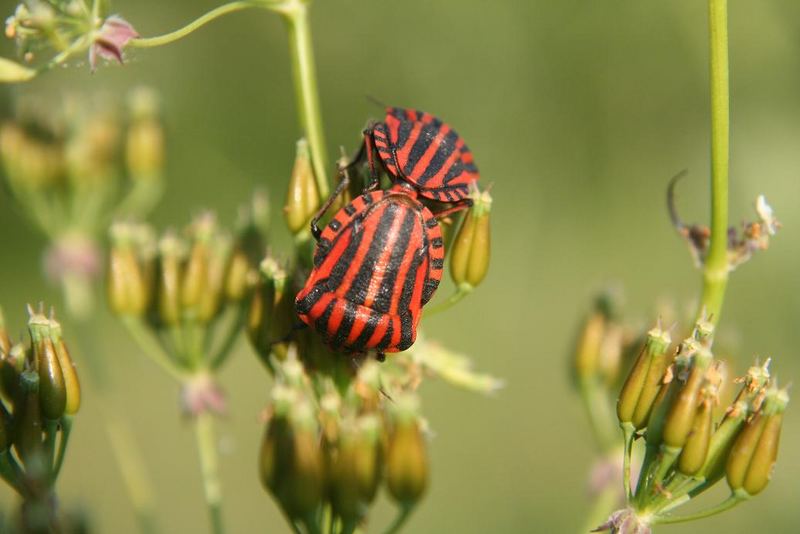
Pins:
x: 715, y: 272
x: 207, y: 448
x: 295, y: 13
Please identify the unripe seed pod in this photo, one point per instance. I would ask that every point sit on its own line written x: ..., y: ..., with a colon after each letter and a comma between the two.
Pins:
x: 10, y: 369
x: 262, y: 310
x: 356, y: 470
x: 406, y: 457
x: 219, y: 251
x: 52, y: 392
x: 471, y: 250
x: 644, y: 380
x: 755, y: 450
x: 588, y: 347
x: 680, y: 417
x: 302, y: 199
x: 28, y: 418
x: 195, y: 276
x: 693, y: 455
x: 72, y: 385
x: 237, y: 276
x: 144, y: 146
x: 169, y: 279
x: 128, y: 292
x: 291, y: 462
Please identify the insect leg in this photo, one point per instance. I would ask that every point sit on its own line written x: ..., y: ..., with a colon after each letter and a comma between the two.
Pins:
x: 343, y: 183
x: 458, y: 206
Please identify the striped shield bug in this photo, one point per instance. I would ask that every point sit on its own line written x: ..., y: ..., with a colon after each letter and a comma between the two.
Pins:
x: 377, y: 262
x: 422, y: 150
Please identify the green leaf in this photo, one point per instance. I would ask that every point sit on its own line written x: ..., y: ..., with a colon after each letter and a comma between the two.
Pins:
x: 12, y: 72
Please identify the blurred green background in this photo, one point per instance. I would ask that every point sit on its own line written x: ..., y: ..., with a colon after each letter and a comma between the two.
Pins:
x: 579, y: 112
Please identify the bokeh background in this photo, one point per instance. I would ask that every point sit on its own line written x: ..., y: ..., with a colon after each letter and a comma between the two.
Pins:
x: 579, y: 112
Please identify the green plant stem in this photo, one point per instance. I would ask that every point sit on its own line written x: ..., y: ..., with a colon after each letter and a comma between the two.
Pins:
x: 295, y: 13
x: 462, y: 291
x: 400, y: 519
x: 601, y: 418
x: 151, y: 347
x: 11, y: 472
x: 171, y: 37
x: 66, y: 429
x: 207, y: 449
x: 727, y: 504
x: 716, y: 269
x: 628, y: 432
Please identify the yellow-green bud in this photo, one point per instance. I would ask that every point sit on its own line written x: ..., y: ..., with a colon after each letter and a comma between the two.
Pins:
x: 144, y: 146
x: 693, y: 455
x: 28, y: 418
x: 471, y: 250
x: 128, y: 291
x: 746, y: 403
x: 587, y: 350
x: 11, y: 366
x: 72, y: 385
x: 406, y: 455
x: 261, y: 314
x: 237, y: 278
x: 645, y: 379
x: 171, y: 254
x: 218, y: 258
x: 753, y: 455
x: 291, y: 463
x: 52, y: 393
x: 196, y: 275
x: 680, y: 417
x: 302, y: 199
x: 356, y: 469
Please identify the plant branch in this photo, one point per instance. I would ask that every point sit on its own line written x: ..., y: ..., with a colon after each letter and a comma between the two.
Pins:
x: 151, y: 347
x: 727, y: 504
x: 207, y: 448
x: 295, y: 13
x: 716, y: 269
x: 232, y: 7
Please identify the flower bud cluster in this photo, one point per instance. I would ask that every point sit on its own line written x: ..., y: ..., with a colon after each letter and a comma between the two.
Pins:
x: 670, y: 396
x: 186, y: 294
x: 327, y: 447
x: 73, y: 170
x: 39, y: 394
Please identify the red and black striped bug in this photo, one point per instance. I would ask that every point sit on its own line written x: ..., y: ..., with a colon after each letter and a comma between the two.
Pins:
x: 421, y: 149
x: 377, y: 262
x: 380, y: 259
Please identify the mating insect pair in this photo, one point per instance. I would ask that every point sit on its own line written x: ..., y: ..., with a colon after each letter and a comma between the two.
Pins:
x: 380, y: 258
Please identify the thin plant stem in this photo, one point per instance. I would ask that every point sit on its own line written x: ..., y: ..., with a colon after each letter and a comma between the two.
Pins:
x: 207, y: 449
x: 716, y: 269
x: 400, y: 519
x: 727, y: 504
x: 149, y: 42
x: 628, y: 432
x: 462, y: 291
x: 66, y: 429
x: 151, y: 347
x: 295, y: 13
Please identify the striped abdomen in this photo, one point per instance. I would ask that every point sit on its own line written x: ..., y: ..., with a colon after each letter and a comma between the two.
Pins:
x: 377, y: 263
x: 426, y: 152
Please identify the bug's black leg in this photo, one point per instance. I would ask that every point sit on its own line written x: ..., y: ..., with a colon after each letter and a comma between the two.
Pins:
x: 369, y: 146
x: 288, y: 337
x: 315, y: 230
x: 460, y: 205
x: 380, y: 356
